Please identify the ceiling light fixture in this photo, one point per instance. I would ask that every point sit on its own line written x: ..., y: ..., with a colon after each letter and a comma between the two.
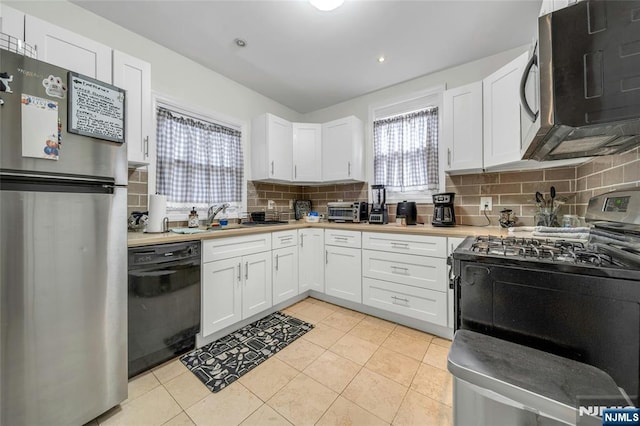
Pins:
x: 240, y: 42
x: 326, y: 5
x: 381, y: 59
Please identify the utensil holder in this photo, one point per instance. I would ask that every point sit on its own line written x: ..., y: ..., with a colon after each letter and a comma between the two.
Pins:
x: 546, y: 217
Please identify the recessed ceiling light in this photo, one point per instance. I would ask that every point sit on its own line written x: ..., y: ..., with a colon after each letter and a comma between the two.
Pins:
x: 326, y: 5
x: 240, y: 42
x: 381, y: 59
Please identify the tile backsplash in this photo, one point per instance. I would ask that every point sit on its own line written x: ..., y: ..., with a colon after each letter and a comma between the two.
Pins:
x: 512, y: 190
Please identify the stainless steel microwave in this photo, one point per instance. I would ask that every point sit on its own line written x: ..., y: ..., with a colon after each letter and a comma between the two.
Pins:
x: 588, y: 65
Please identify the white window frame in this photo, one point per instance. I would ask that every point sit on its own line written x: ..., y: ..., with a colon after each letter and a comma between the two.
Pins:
x: 178, y: 107
x: 403, y: 105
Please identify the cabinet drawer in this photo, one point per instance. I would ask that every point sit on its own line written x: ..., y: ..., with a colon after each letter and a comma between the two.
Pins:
x: 411, y: 244
x: 283, y: 239
x: 418, y: 271
x: 338, y: 237
x: 418, y: 303
x: 225, y: 248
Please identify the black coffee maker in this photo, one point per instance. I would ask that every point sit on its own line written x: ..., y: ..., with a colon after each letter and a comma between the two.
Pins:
x: 443, y: 212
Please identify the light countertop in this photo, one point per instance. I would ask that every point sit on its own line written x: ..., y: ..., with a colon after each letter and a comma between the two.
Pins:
x: 136, y: 239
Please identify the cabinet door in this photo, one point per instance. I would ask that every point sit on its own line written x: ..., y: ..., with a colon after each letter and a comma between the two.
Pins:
x: 280, y: 144
x: 256, y: 292
x: 134, y: 75
x: 311, y: 260
x: 221, y: 294
x: 501, y: 108
x: 285, y: 274
x: 307, y: 151
x: 342, y: 150
x: 61, y: 47
x: 342, y: 273
x: 12, y: 22
x: 462, y: 127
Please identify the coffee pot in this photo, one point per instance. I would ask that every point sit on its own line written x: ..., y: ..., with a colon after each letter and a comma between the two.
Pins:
x: 443, y: 211
x: 507, y: 218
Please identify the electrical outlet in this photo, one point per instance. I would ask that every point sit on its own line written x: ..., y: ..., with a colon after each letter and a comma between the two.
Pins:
x: 290, y: 204
x: 271, y: 205
x: 486, y: 203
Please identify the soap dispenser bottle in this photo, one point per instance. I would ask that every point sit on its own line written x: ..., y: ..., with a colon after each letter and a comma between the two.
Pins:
x: 193, y: 218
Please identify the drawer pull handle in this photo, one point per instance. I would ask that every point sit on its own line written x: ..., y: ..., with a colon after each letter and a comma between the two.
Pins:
x: 400, y: 245
x: 395, y: 269
x: 396, y: 298
x: 246, y: 271
x: 285, y: 239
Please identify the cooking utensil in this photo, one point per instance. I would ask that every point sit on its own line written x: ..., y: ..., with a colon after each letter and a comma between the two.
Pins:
x: 552, y: 191
x: 540, y: 199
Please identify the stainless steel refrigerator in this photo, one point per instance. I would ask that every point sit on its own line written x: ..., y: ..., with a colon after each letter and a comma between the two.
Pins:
x: 63, y: 267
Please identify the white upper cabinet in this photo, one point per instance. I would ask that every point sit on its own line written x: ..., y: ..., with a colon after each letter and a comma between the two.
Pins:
x: 343, y: 150
x: 307, y: 152
x: 61, y: 47
x: 501, y: 108
x: 11, y: 22
x: 462, y: 127
x: 271, y: 148
x: 134, y: 75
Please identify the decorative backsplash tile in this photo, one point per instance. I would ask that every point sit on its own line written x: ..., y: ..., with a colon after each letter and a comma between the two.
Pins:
x: 512, y: 190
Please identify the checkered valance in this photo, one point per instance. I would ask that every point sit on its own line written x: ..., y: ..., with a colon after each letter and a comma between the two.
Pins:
x: 199, y: 163
x: 406, y: 151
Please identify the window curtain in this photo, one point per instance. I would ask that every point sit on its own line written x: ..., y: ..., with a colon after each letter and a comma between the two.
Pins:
x: 199, y: 163
x: 406, y: 151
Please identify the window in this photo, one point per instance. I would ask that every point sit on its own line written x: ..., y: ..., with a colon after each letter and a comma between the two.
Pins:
x: 405, y: 147
x: 199, y: 163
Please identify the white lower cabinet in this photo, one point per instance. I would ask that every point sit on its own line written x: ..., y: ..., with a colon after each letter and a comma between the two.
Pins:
x: 406, y: 274
x: 414, y: 302
x: 418, y: 271
x: 343, y: 273
x: 284, y: 259
x: 311, y: 259
x: 221, y: 294
x: 234, y: 288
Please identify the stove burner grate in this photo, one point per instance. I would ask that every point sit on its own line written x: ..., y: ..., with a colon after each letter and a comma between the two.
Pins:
x: 542, y: 249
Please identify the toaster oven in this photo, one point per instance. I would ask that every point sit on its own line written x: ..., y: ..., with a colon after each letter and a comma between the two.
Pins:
x: 344, y: 211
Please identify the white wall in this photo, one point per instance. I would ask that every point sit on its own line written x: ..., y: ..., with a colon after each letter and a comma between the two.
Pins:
x: 451, y: 77
x: 171, y: 73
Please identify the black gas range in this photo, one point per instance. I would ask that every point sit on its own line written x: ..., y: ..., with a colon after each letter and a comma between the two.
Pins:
x: 578, y: 300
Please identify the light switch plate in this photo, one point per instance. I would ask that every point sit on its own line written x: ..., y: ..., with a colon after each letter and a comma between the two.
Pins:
x: 271, y: 204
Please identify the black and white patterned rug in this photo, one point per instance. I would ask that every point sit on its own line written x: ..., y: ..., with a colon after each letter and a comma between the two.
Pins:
x: 222, y: 362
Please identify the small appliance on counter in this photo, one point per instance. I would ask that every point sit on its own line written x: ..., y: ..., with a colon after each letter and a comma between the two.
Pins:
x: 408, y: 210
x: 379, y: 211
x: 347, y: 211
x: 301, y: 208
x: 443, y: 211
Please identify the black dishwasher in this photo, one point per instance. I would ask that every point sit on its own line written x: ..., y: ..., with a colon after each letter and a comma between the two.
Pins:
x: 164, y: 303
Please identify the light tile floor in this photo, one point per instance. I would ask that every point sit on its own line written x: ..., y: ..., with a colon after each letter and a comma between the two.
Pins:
x: 351, y: 369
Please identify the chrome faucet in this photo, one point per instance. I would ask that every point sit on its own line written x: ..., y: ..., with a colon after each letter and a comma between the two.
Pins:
x: 211, y: 213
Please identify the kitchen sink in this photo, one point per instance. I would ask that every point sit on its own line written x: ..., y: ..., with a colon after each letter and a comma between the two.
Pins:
x: 264, y: 223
